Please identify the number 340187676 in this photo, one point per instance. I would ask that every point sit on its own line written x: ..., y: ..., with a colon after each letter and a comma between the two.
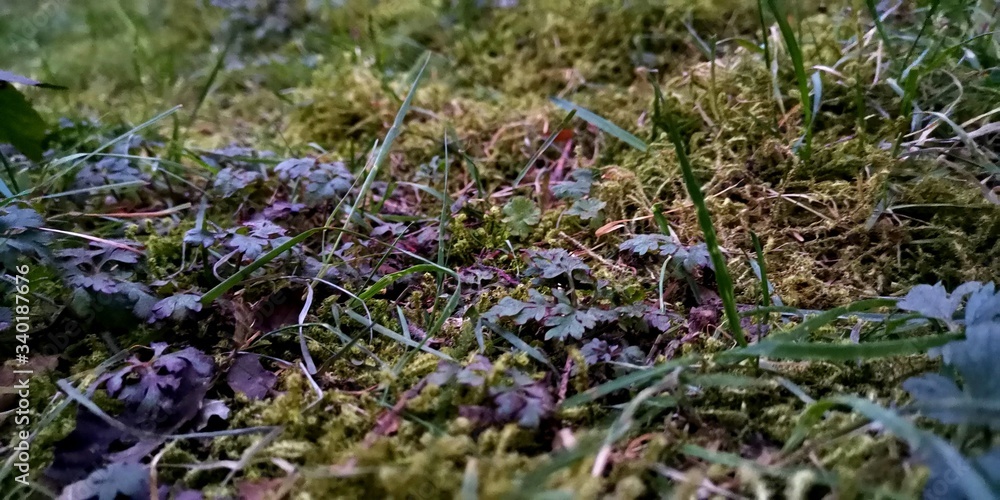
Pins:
x: 22, y: 307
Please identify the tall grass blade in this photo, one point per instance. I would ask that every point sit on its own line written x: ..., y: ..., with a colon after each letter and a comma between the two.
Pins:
x: 10, y: 173
x: 212, y: 76
x: 795, y: 52
x: 879, y: 26
x: 389, y: 279
x: 816, y: 351
x: 935, y: 4
x: 380, y: 156
x: 824, y: 318
x: 112, y: 142
x: 763, y: 33
x: 367, y: 323
x: 445, y: 208
x: 722, y: 278
x: 765, y: 285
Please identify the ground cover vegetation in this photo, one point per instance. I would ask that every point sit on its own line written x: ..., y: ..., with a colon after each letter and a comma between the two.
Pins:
x: 502, y: 249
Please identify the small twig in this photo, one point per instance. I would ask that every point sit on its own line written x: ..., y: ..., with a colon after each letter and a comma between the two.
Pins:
x: 115, y: 244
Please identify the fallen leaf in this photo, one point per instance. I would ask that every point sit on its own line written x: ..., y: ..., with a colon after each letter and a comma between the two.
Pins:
x: 248, y: 376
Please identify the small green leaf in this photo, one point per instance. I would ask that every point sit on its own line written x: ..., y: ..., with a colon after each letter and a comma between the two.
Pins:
x: 521, y: 213
x: 586, y: 209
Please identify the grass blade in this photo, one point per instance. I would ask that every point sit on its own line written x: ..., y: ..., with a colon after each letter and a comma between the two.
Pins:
x: 545, y: 145
x: 826, y: 317
x: 624, y: 382
x: 520, y: 344
x: 394, y: 131
x: 445, y: 209
x: 765, y: 285
x: 722, y: 278
x: 389, y: 279
x: 601, y: 123
x: 212, y: 76
x: 261, y: 261
x: 817, y: 351
x: 763, y: 33
x: 367, y: 323
x: 879, y: 27
x: 112, y: 142
x: 383, y: 152
x: 795, y: 52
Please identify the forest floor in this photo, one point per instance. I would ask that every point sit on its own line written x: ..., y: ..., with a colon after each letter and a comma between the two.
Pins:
x: 500, y: 249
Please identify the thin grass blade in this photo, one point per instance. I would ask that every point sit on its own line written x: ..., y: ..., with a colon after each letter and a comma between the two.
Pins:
x: 602, y: 123
x: 722, y: 278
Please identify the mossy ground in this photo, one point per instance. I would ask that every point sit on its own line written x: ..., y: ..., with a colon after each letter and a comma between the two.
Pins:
x: 857, y: 220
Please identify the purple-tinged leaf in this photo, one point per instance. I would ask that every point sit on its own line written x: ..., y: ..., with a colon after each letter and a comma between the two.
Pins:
x: 200, y: 237
x: 248, y: 376
x: 933, y: 301
x: 210, y: 408
x: 100, y: 282
x: 566, y: 321
x: 522, y: 312
x: 263, y: 228
x: 249, y: 246
x: 658, y: 319
x: 472, y: 375
x: 445, y: 372
x: 230, y: 181
x: 475, y: 275
x: 649, y: 243
x: 177, y: 307
x: 596, y: 351
x: 19, y: 235
x: 320, y: 181
x: 295, y: 168
x: 14, y: 218
x: 527, y: 401
x: 694, y: 257
x: 282, y: 209
x: 604, y: 315
x: 975, y: 358
x: 160, y: 395
x: 117, y: 480
x: 553, y: 263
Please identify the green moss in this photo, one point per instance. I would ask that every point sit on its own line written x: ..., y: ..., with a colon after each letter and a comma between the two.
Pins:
x: 468, y: 240
x: 163, y: 253
x: 348, y: 105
